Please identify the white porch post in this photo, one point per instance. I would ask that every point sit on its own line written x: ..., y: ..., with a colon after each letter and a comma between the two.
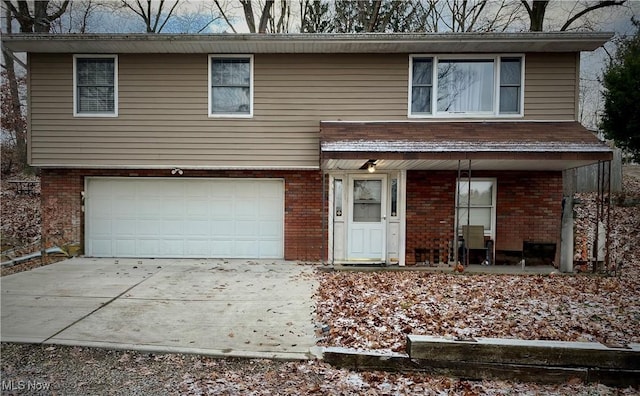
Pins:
x: 402, y: 207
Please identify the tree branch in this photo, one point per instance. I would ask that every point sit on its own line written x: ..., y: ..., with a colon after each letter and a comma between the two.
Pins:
x: 589, y: 9
x: 58, y: 14
x: 248, y: 15
x: 266, y: 14
x: 169, y: 15
x: 224, y: 16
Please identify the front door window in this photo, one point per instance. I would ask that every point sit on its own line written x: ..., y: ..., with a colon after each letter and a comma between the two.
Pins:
x: 367, y: 201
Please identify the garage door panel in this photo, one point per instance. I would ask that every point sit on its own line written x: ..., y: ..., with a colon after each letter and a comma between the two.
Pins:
x: 221, y: 209
x: 245, y: 229
x: 149, y: 207
x: 173, y: 228
x: 197, y: 207
x: 137, y: 217
x: 196, y: 228
x: 102, y: 227
x: 125, y: 247
x: 101, y: 247
x: 173, y: 207
x: 124, y: 227
x: 270, y: 249
x: 145, y: 228
x: 222, y: 228
x: 173, y: 248
x: 121, y: 206
x: 271, y: 229
x: 148, y: 247
x: 245, y: 209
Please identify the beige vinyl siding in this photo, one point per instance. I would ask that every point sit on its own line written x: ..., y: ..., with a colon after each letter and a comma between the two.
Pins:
x: 163, y: 116
x: 550, y: 86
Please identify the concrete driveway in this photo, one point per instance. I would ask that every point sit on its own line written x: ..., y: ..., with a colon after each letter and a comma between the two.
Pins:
x: 244, y: 308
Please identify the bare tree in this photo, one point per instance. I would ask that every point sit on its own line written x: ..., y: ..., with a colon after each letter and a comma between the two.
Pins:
x: 270, y: 16
x: 33, y: 17
x: 37, y: 16
x: 196, y: 18
x: 315, y: 16
x: 77, y: 18
x: 481, y: 16
x: 154, y: 20
x: 369, y: 16
x: 537, y: 10
x: 13, y: 120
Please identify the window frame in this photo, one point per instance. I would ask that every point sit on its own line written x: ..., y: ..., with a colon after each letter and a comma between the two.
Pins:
x: 210, y: 113
x: 495, y: 58
x: 76, y: 113
x: 494, y: 205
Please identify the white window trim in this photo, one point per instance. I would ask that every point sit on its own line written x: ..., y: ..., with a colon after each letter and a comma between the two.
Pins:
x: 231, y: 115
x: 75, y: 86
x: 494, y: 207
x: 496, y: 86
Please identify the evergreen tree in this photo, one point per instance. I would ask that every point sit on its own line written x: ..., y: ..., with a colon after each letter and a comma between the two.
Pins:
x: 621, y: 80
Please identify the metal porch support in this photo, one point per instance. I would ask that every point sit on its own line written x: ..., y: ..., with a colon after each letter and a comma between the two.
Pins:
x: 456, y: 225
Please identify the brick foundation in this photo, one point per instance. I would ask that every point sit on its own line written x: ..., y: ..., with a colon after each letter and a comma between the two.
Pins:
x: 528, y: 209
x: 63, y: 220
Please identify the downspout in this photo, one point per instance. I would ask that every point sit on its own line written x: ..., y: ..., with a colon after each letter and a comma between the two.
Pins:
x: 455, y: 223
x: 324, y: 221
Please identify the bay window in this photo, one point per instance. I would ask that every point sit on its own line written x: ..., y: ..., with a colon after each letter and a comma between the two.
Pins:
x: 465, y: 86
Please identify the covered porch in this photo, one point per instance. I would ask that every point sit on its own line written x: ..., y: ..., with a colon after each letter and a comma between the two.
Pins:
x: 429, y: 187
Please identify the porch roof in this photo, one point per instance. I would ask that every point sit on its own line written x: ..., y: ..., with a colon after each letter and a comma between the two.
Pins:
x: 495, y: 145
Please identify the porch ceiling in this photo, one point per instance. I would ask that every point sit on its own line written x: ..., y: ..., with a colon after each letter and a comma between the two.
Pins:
x: 441, y: 145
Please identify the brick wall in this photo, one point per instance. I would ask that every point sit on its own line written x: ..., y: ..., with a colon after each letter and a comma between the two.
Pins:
x: 63, y: 220
x: 430, y: 210
x: 528, y: 208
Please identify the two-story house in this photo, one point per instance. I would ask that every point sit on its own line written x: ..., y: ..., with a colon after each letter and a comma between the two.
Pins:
x: 338, y: 147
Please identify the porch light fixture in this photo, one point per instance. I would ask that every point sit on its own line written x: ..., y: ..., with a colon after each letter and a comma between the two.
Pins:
x: 370, y: 165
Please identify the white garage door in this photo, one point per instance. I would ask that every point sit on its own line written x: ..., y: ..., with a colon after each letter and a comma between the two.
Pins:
x: 150, y: 217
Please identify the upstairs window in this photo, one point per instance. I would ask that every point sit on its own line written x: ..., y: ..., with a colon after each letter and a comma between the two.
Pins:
x: 95, y: 80
x: 231, y: 86
x: 465, y: 86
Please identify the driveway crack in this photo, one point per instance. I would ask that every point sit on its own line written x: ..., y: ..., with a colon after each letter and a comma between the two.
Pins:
x: 97, y: 309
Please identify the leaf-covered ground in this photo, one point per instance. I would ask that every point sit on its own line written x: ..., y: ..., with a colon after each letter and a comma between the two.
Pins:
x: 63, y: 370
x: 375, y: 310
x: 20, y: 213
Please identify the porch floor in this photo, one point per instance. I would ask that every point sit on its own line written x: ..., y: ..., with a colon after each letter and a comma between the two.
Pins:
x: 444, y: 268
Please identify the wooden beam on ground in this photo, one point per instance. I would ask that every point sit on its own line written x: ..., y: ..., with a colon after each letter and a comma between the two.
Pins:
x: 524, y: 352
x: 505, y: 359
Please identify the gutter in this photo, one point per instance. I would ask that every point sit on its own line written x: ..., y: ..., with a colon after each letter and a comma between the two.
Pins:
x: 32, y: 256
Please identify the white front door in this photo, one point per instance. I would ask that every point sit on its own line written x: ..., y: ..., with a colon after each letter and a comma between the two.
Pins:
x: 366, y: 236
